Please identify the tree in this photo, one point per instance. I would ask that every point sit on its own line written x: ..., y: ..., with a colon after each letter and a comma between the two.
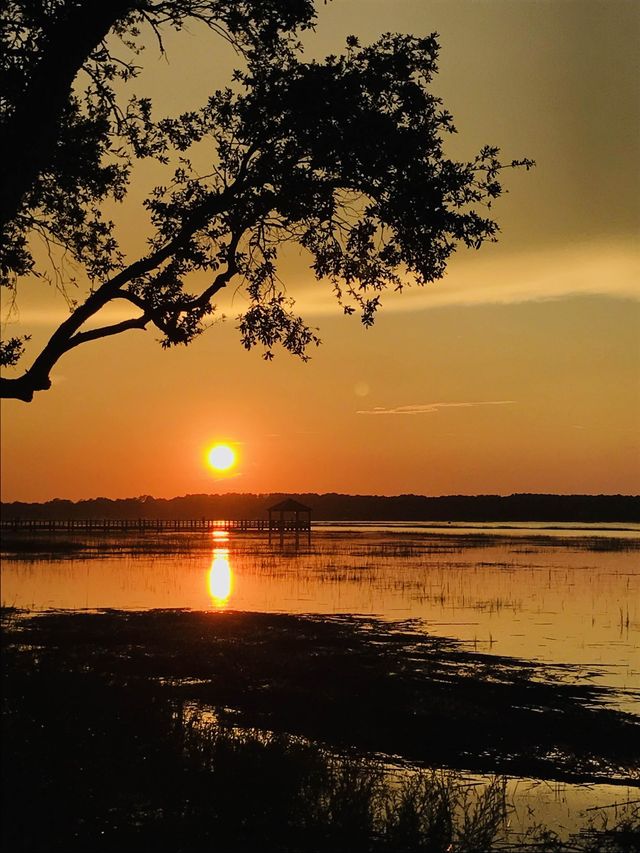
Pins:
x: 344, y: 157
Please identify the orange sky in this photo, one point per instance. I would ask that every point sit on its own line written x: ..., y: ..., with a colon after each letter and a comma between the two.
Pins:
x: 537, y: 337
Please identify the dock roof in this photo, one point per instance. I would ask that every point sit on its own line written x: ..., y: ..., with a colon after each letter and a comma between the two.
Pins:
x: 289, y: 505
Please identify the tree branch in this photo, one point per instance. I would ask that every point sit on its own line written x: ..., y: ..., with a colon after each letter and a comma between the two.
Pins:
x: 67, y: 335
x: 106, y: 331
x: 223, y: 278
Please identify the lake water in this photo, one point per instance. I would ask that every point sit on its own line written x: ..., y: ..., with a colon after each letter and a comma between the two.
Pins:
x: 560, y: 594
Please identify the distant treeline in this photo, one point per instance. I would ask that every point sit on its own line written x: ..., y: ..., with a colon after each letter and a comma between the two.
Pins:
x: 336, y: 507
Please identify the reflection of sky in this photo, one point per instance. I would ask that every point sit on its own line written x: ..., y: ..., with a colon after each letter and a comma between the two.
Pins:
x: 220, y: 578
x: 560, y: 601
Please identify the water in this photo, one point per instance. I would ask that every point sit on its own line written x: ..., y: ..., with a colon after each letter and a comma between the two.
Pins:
x: 558, y: 595
x: 527, y: 592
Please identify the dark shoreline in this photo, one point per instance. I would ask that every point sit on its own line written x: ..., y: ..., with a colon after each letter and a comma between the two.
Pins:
x: 340, y: 507
x: 183, y: 730
x: 382, y: 687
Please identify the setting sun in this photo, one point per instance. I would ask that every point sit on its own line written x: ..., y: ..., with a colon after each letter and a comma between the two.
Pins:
x: 221, y: 457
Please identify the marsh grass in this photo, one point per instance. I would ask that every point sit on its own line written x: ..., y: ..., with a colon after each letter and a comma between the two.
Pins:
x: 60, y: 545
x: 604, y: 833
x: 172, y: 731
x: 347, y: 681
x: 167, y: 784
x: 44, y: 544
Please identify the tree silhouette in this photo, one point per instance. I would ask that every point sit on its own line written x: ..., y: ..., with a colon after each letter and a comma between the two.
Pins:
x: 344, y: 157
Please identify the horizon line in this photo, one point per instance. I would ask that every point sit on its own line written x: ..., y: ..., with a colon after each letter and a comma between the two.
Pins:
x: 147, y: 498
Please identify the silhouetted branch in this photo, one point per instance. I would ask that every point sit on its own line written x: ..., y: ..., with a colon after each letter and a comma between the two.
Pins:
x: 107, y: 331
x: 68, y: 336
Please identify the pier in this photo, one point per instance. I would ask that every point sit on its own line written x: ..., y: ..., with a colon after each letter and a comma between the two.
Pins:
x: 151, y: 525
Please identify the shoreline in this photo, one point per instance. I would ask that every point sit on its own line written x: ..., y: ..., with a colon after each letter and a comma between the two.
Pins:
x: 486, y: 708
x: 136, y: 730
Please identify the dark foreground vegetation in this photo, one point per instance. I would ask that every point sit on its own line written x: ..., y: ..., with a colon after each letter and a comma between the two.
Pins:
x: 337, y: 507
x: 172, y: 730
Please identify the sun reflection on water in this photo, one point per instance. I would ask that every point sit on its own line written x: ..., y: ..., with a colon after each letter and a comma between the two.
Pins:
x: 220, y: 535
x: 220, y: 578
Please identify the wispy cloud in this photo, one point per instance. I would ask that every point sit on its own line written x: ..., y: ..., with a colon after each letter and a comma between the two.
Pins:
x: 595, y: 269
x: 430, y: 408
x: 598, y: 269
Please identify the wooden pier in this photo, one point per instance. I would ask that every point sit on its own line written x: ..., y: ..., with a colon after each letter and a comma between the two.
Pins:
x: 150, y: 525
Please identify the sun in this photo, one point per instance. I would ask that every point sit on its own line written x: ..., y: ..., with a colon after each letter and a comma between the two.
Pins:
x: 221, y: 457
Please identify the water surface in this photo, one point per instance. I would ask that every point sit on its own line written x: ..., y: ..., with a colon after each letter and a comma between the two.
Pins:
x: 559, y: 594
x: 563, y: 595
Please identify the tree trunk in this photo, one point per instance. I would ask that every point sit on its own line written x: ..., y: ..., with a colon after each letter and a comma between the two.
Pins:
x: 28, y: 140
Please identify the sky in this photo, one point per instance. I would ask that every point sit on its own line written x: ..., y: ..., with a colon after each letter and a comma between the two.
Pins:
x: 518, y: 372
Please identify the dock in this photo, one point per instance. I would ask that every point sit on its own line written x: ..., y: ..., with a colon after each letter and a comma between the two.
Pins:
x: 151, y: 525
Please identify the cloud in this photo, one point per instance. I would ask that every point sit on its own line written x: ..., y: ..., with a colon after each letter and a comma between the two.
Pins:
x: 430, y: 408
x: 498, y: 278
x: 492, y: 277
x: 54, y: 314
